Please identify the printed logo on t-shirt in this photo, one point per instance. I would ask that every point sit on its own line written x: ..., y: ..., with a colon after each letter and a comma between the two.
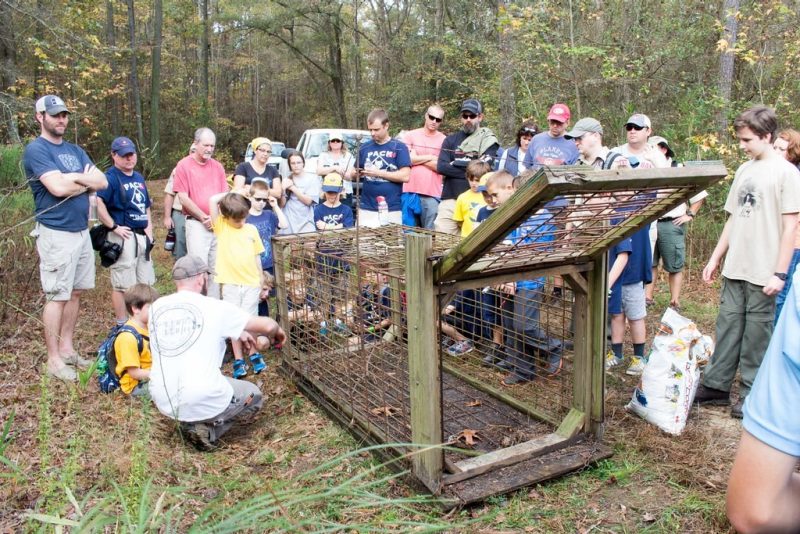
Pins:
x: 376, y: 159
x: 70, y: 162
x: 176, y: 329
x: 749, y: 200
x: 138, y: 199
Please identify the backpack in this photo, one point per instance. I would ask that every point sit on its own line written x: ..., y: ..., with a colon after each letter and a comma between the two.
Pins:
x: 610, y: 157
x: 107, y: 361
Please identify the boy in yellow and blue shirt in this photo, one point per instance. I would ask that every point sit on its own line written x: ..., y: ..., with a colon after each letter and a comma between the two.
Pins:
x: 471, y: 201
x: 133, y: 365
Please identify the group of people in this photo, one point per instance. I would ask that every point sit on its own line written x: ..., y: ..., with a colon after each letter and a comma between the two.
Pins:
x: 426, y: 179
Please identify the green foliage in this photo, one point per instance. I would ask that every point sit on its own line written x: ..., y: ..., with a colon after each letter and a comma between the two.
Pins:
x: 12, y: 174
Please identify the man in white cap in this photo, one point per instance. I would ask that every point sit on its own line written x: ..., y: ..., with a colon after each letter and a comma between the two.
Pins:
x: 637, y: 150
x: 61, y: 176
x: 670, y: 247
x: 551, y: 147
x: 187, y: 340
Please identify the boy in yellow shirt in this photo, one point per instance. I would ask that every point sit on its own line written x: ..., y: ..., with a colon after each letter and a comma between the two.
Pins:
x: 470, y: 202
x: 133, y: 365
x: 238, y: 267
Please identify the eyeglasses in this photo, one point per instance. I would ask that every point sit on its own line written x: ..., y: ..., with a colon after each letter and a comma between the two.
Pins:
x: 435, y: 119
x: 468, y: 115
x: 260, y: 199
x: 264, y: 151
x: 630, y: 127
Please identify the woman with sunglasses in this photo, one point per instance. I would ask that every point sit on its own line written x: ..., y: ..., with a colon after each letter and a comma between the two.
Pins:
x: 257, y: 168
x: 511, y: 159
x: 339, y: 160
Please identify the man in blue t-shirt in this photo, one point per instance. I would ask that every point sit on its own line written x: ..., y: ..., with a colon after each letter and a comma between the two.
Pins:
x: 125, y: 210
x: 384, y: 165
x: 551, y: 147
x: 61, y: 176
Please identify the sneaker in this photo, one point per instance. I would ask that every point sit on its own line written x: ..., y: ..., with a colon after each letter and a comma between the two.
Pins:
x: 200, y: 435
x: 459, y: 348
x: 636, y: 367
x: 447, y: 341
x: 612, y: 360
x: 258, y: 363
x: 554, y: 363
x: 711, y: 396
x: 514, y: 379
x: 494, y: 354
x: 239, y: 369
x: 77, y: 360
x: 736, y: 409
x: 67, y: 374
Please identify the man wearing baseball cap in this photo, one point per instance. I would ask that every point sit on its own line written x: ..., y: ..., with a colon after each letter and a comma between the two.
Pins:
x: 551, y: 147
x: 61, y: 176
x: 124, y: 208
x: 471, y: 142
x: 588, y: 138
x: 187, y: 340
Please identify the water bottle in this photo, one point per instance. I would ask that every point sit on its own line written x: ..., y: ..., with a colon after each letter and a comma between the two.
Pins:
x: 93, y: 207
x: 383, y: 211
x: 169, y: 242
x: 323, y: 328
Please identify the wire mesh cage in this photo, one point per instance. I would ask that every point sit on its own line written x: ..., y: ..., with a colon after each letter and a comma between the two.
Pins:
x: 492, y: 345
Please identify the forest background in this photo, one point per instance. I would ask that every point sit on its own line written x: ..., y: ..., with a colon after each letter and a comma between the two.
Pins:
x: 155, y: 70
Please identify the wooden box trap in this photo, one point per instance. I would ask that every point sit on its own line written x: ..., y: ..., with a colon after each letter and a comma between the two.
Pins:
x: 487, y: 353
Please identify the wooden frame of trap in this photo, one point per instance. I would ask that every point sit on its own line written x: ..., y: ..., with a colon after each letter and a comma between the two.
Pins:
x: 401, y: 388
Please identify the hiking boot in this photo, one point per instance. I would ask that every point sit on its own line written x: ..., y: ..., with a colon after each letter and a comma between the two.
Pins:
x: 514, y: 379
x: 78, y: 361
x: 636, y: 368
x: 612, y: 361
x: 711, y: 396
x: 200, y: 435
x: 239, y: 369
x: 459, y: 348
x: 258, y: 363
x: 737, y: 409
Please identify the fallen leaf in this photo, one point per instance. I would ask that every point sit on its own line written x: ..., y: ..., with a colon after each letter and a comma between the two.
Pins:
x: 648, y: 517
x: 474, y: 403
x: 388, y: 411
x: 468, y: 436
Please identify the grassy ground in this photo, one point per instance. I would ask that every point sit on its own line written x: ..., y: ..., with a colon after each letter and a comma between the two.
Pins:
x: 91, y: 461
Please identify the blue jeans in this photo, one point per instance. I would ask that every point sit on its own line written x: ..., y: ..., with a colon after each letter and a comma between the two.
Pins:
x: 781, y: 298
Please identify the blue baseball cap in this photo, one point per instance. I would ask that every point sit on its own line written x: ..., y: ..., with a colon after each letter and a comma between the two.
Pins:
x: 122, y: 146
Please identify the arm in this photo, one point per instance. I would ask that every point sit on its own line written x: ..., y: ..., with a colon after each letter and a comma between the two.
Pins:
x: 290, y: 187
x: 400, y: 175
x: 137, y: 373
x: 265, y: 330
x: 693, y: 209
x: 213, y: 205
x: 102, y: 213
x: 148, y: 230
x: 169, y: 199
x: 192, y: 209
x: 238, y: 182
x: 73, y: 183
x: 775, y: 284
x: 444, y: 163
x: 276, y: 190
x: 282, y: 221
x: 616, y: 269
x: 719, y: 252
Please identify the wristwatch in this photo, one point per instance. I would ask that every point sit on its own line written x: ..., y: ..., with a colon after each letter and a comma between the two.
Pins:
x: 690, y: 214
x: 781, y: 276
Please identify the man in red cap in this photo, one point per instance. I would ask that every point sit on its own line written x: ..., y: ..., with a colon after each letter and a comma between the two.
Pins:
x: 551, y: 147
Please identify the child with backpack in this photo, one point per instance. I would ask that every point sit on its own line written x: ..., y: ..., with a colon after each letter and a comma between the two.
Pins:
x: 130, y: 360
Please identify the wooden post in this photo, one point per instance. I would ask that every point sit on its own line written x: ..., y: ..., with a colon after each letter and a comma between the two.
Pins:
x: 598, y: 308
x: 280, y: 289
x: 424, y: 371
x: 581, y: 384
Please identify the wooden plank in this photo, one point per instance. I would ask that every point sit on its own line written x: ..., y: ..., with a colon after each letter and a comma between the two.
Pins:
x: 500, y: 395
x: 525, y: 473
x: 572, y: 424
x: 577, y: 282
x: 424, y: 372
x: 280, y: 291
x: 581, y: 389
x: 479, y: 465
x: 525, y: 273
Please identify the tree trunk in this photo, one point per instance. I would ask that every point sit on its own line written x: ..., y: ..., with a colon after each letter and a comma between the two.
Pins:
x: 134, y: 78
x: 8, y: 73
x: 730, y: 9
x: 155, y: 82
x: 112, y: 45
x: 508, y: 102
x: 204, y: 49
x: 438, y: 58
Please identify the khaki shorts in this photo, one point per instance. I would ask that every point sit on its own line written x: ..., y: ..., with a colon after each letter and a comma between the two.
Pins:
x: 243, y: 297
x: 131, y: 268
x: 66, y: 261
x: 444, y: 218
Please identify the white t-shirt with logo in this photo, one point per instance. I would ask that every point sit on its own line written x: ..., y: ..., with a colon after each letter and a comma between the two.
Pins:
x: 187, y: 341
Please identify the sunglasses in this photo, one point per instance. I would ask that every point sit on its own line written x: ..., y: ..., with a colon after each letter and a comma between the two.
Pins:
x: 468, y: 116
x: 529, y: 131
x: 260, y: 199
x: 435, y: 119
x: 630, y: 127
x: 336, y: 140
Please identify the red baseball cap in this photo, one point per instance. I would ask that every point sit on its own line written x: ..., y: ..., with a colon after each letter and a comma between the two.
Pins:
x: 559, y: 112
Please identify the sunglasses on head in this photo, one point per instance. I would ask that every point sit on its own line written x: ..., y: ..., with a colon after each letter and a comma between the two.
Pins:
x: 468, y: 115
x: 630, y: 127
x: 435, y: 119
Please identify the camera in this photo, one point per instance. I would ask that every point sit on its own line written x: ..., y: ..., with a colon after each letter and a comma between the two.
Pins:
x: 109, y: 253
